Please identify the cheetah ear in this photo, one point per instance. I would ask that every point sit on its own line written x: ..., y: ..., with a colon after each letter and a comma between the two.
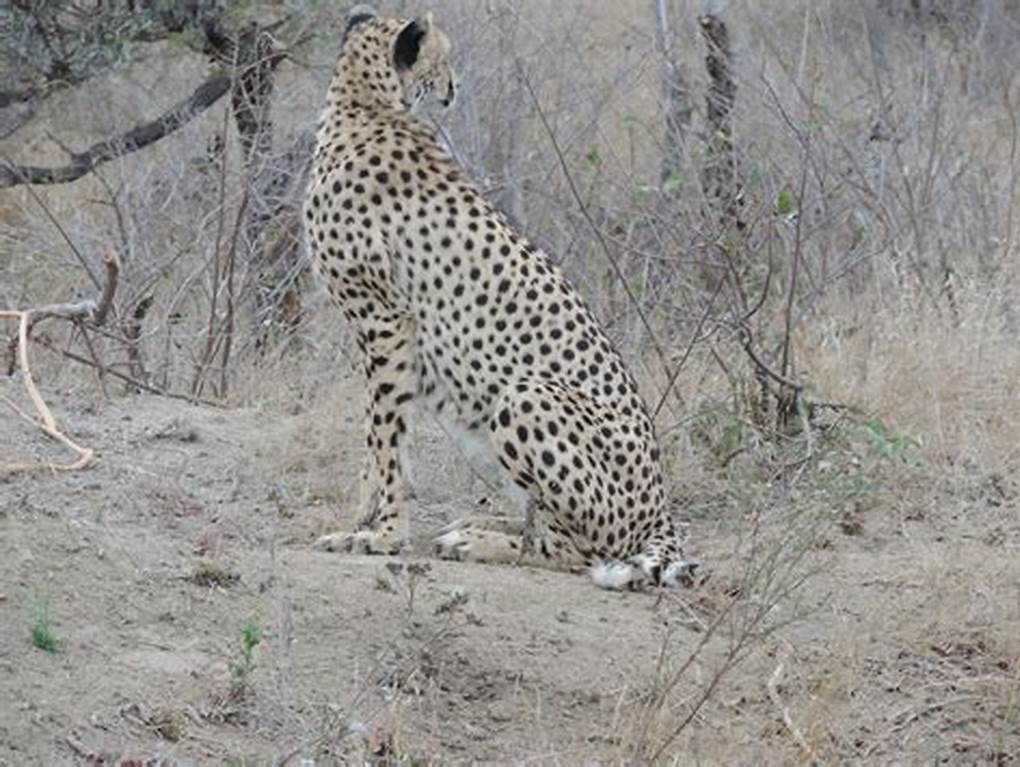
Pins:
x: 408, y: 44
x: 359, y: 14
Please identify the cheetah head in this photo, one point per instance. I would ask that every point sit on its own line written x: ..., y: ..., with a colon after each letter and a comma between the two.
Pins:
x: 420, y: 56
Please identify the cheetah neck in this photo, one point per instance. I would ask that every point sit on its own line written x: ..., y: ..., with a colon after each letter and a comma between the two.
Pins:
x: 364, y: 78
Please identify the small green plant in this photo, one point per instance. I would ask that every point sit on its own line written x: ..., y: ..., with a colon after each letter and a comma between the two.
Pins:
x: 241, y: 670
x: 671, y: 183
x: 785, y: 203
x: 43, y: 635
x: 886, y: 443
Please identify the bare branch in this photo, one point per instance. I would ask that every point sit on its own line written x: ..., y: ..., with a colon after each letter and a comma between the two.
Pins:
x: 46, y: 422
x: 112, y: 264
x: 207, y: 94
x: 135, y: 382
x: 666, y: 368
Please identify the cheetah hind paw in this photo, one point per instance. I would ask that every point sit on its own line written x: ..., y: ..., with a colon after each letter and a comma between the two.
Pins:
x: 360, y: 542
x: 493, y: 523
x: 468, y: 543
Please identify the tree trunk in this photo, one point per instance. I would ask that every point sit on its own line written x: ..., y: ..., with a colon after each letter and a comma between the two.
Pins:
x: 270, y: 230
x: 676, y: 101
x: 719, y: 173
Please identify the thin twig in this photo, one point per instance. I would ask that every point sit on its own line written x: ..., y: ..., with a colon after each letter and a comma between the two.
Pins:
x: 59, y: 227
x: 617, y: 271
x: 100, y: 367
x: 228, y: 322
x: 695, y: 337
x: 784, y: 368
x: 784, y: 712
x: 194, y: 400
x: 764, y: 368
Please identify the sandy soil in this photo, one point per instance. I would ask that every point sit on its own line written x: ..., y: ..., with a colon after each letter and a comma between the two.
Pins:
x: 900, y: 647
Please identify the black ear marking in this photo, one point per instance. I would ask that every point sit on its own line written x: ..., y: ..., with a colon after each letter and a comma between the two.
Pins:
x: 355, y: 17
x: 408, y: 45
x: 354, y: 21
x: 359, y: 14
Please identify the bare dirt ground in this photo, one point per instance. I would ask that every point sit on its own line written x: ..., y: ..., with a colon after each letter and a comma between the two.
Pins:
x: 900, y: 647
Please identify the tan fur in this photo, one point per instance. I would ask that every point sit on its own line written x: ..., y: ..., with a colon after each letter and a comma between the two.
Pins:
x: 456, y: 311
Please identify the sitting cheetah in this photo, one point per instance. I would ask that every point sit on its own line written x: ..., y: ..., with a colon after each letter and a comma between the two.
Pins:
x: 455, y: 310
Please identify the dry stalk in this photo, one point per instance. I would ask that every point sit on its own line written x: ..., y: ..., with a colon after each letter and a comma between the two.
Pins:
x: 77, y: 313
x: 783, y: 653
x: 47, y: 422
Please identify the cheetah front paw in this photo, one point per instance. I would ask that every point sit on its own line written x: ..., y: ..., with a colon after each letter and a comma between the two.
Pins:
x: 360, y: 542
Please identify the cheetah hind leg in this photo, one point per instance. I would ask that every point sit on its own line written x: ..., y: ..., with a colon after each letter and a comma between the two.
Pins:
x: 496, y: 540
x: 362, y: 542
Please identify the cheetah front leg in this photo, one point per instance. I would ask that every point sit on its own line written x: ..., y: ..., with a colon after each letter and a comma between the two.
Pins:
x: 383, y: 525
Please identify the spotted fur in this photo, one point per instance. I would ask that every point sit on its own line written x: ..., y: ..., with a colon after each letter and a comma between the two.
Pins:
x: 457, y: 312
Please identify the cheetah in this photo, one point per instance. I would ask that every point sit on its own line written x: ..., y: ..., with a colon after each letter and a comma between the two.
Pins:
x: 456, y: 312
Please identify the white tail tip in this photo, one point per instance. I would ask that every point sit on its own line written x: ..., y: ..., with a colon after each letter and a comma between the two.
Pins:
x: 613, y: 575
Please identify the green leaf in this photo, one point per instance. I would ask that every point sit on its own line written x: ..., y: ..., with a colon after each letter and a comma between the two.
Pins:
x: 785, y: 204
x: 671, y: 183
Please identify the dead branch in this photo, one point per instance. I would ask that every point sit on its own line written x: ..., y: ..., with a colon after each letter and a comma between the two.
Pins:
x: 77, y: 311
x: 82, y: 313
x: 112, y: 264
x: 207, y: 94
x: 138, y: 384
x: 47, y: 422
x: 784, y: 712
x: 69, y: 311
